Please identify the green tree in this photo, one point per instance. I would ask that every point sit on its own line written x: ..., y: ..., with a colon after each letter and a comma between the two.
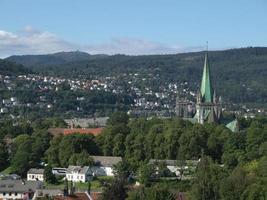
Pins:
x: 153, y: 193
x: 115, y: 191
x: 255, y: 191
x: 49, y: 177
x: 256, y: 135
x: 3, y: 157
x: 146, y: 173
x: 262, y: 166
x: 21, y: 161
x: 207, y: 182
x: 118, y: 118
x: 40, y: 144
x: 52, y: 153
x: 122, y: 170
x: 233, y: 186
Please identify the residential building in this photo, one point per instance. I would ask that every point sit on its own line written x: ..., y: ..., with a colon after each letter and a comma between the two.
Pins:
x: 78, y: 173
x: 35, y: 174
x: 18, y: 189
x: 104, y: 165
x: 173, y: 165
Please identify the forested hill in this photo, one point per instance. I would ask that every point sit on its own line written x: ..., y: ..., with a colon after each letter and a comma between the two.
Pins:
x: 238, y: 74
x: 12, y: 69
x: 59, y: 58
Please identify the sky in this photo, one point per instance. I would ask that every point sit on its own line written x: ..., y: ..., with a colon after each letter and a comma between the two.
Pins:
x: 133, y: 27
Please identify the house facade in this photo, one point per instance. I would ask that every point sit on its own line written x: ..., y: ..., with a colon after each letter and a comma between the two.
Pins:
x: 35, y: 174
x: 104, y: 165
x: 78, y: 173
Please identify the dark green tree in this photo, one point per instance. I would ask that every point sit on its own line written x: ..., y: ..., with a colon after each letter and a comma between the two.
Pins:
x: 3, y: 157
x: 49, y: 177
x: 115, y: 191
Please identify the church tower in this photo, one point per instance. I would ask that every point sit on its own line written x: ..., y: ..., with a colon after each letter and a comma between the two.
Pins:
x: 208, y: 107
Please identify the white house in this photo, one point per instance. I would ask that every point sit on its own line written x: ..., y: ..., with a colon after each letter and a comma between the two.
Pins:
x: 103, y: 165
x: 18, y: 189
x: 35, y: 174
x: 173, y: 166
x: 78, y: 173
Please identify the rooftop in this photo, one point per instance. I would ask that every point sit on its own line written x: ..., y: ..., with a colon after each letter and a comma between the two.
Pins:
x: 107, y: 161
x: 76, y: 196
x: 172, y: 162
x: 19, y: 186
x: 35, y: 171
x: 67, y: 131
x: 77, y: 169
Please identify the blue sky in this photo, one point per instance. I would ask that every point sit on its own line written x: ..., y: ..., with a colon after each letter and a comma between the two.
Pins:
x: 130, y: 26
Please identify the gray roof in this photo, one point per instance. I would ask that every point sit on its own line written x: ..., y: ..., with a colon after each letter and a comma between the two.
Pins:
x: 19, y: 186
x: 172, y: 162
x: 36, y: 171
x: 84, y: 122
x: 77, y: 169
x: 106, y: 161
x: 49, y: 192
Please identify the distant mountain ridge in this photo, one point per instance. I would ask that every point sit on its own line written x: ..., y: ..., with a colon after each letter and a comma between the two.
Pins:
x: 58, y: 58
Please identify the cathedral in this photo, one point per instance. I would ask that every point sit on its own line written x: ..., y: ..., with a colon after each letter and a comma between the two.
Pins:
x: 208, y: 107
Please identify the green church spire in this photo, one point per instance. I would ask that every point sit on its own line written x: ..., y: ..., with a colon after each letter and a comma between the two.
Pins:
x: 206, y: 87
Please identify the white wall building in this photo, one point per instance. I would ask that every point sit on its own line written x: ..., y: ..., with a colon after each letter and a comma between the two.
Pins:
x: 173, y: 166
x: 35, y: 174
x: 78, y: 173
x: 103, y: 165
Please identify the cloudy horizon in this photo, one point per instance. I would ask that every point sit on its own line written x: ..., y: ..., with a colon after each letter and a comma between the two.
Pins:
x: 30, y: 41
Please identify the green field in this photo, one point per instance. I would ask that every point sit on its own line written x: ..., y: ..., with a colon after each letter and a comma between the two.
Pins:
x: 96, y: 184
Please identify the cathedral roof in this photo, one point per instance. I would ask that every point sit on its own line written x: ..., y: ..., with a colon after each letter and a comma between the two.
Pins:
x: 206, y: 87
x: 233, y: 125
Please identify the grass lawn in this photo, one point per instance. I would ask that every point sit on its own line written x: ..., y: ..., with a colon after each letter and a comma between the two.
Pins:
x: 96, y: 184
x: 7, y: 171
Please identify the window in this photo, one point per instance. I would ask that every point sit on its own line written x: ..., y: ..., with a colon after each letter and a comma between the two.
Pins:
x: 10, y: 193
x: 16, y: 193
x: 4, y: 194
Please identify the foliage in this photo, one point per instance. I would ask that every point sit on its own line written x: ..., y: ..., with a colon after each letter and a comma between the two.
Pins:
x: 207, y: 180
x: 49, y: 177
x: 115, y: 191
x: 71, y: 149
x: 146, y: 174
x: 153, y: 193
x: 3, y: 157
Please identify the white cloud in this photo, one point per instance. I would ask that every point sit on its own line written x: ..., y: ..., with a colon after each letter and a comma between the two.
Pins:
x: 32, y: 41
x: 131, y: 46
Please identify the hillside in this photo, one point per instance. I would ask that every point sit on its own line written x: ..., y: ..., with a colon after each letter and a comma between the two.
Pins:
x: 10, y: 68
x: 59, y: 58
x: 239, y: 75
